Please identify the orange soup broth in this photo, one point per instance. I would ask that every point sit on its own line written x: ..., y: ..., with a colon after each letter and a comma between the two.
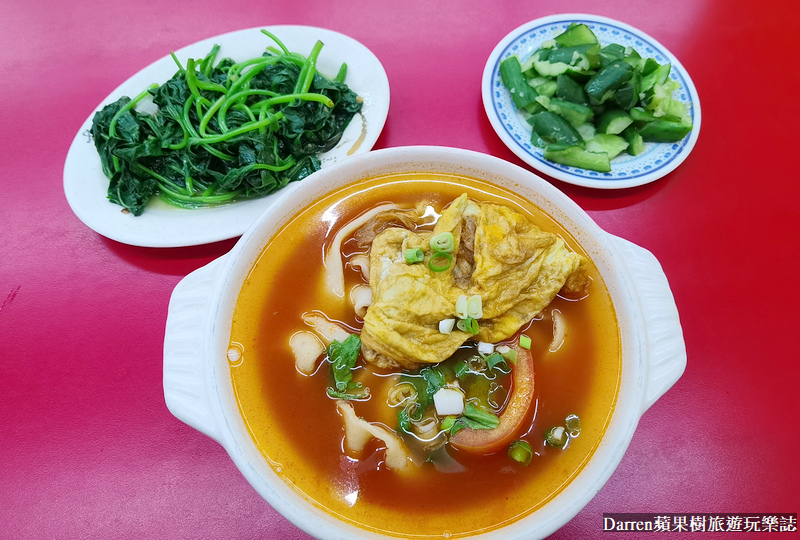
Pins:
x: 296, y: 426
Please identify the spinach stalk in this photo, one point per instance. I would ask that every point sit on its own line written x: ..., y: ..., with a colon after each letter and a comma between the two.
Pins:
x: 223, y: 130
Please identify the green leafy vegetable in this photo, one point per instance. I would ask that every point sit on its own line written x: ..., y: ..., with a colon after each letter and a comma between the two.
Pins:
x: 434, y: 380
x: 474, y: 417
x: 411, y: 412
x: 223, y: 130
x: 354, y: 391
x: 342, y: 357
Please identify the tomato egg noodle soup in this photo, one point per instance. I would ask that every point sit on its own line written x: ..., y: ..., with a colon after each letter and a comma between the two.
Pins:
x: 483, y: 368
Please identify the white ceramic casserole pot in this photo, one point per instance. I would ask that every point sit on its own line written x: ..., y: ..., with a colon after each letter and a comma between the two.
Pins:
x: 197, y: 378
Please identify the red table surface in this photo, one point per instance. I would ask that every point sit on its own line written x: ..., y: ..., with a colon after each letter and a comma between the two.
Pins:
x: 88, y: 448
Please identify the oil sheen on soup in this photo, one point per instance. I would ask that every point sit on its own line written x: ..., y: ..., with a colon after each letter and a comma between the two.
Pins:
x: 454, y: 375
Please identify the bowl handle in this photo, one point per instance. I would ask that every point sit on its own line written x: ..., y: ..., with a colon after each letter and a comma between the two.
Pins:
x: 186, y: 388
x: 663, y: 346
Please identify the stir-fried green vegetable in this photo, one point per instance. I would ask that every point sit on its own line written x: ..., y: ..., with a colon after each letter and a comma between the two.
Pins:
x: 586, y: 104
x: 223, y: 130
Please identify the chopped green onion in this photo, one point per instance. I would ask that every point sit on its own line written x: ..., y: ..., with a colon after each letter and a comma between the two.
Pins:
x: 461, y: 307
x: 496, y: 359
x: 414, y: 255
x: 524, y: 341
x: 444, y: 242
x: 556, y: 436
x: 450, y: 424
x: 446, y: 326
x: 508, y: 353
x: 573, y: 424
x: 435, y: 264
x: 468, y: 325
x: 475, y: 307
x: 521, y: 452
x: 434, y: 380
x: 461, y: 368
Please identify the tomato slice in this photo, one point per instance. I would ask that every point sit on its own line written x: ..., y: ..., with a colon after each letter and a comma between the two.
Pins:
x: 512, y: 419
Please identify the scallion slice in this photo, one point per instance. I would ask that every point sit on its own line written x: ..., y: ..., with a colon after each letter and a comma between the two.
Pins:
x: 448, y: 422
x: 444, y: 242
x: 475, y: 307
x: 497, y: 360
x: 573, y: 424
x: 461, y: 368
x: 414, y: 255
x: 446, y: 326
x: 461, y: 307
x: 440, y: 261
x: 521, y: 452
x: 556, y: 436
x: 468, y: 325
x: 524, y: 341
x: 508, y: 353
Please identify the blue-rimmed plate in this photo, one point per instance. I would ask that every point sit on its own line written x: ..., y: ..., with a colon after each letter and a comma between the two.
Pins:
x: 626, y: 171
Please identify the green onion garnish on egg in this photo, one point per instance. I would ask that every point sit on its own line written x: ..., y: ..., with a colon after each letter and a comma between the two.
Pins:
x: 444, y: 242
x: 440, y: 261
x: 414, y: 255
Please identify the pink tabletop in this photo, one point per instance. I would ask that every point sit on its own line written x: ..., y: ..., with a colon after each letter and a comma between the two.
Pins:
x: 88, y: 448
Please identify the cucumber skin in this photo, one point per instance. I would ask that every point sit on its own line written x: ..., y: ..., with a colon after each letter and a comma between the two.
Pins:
x: 575, y: 156
x: 664, y: 131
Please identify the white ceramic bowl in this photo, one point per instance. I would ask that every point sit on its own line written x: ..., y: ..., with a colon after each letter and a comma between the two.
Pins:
x: 197, y: 380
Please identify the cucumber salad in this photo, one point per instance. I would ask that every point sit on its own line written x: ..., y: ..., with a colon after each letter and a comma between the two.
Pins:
x: 587, y: 103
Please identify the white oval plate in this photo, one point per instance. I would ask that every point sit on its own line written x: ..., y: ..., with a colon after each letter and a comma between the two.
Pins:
x: 162, y: 225
x: 657, y: 160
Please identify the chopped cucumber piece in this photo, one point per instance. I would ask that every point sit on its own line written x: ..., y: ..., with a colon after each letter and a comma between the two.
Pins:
x: 575, y: 156
x: 638, y: 114
x: 522, y: 94
x: 576, y: 34
x: 614, y: 121
x: 602, y: 85
x: 553, y: 128
x: 657, y: 76
x: 613, y: 145
x: 569, y: 90
x: 664, y: 131
x: 611, y: 53
x: 544, y: 86
x: 587, y: 103
x: 546, y: 69
x: 587, y: 131
x: 573, y: 113
x: 635, y: 141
